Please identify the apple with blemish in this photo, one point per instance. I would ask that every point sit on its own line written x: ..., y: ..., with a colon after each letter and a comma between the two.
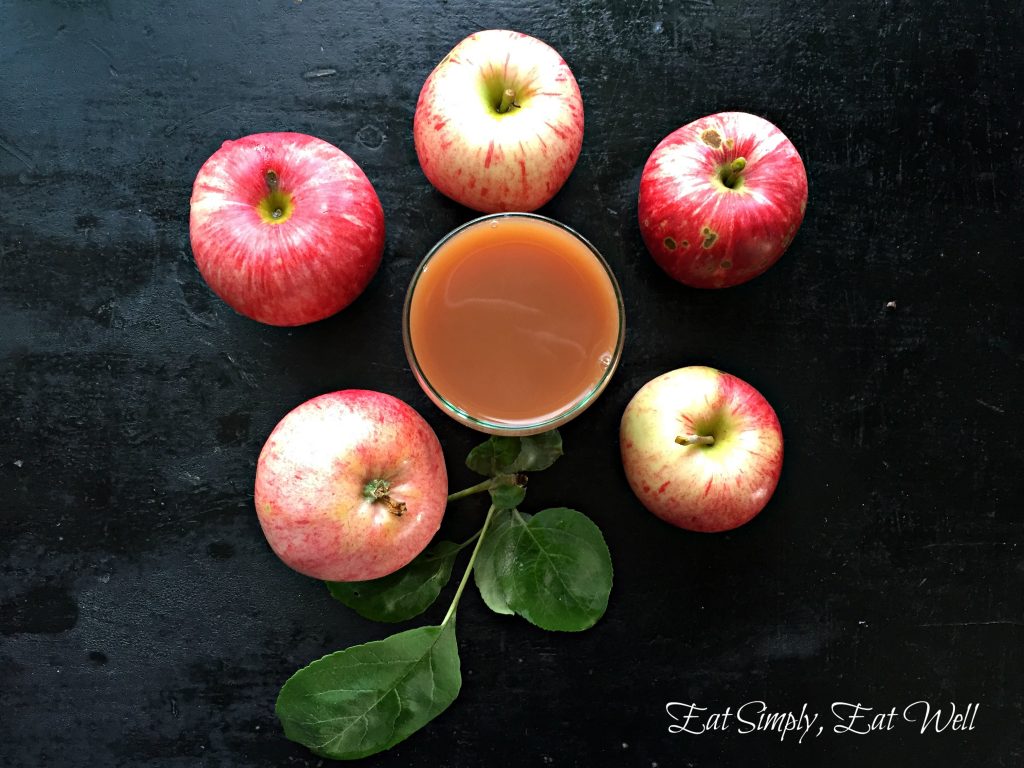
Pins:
x: 721, y: 199
x: 702, y: 449
x: 499, y: 122
x: 350, y: 486
x: 285, y: 227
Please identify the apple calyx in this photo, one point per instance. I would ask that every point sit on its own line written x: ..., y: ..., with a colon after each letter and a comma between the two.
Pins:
x: 508, y: 100
x: 276, y: 207
x: 695, y: 439
x: 731, y: 173
x: 377, y: 490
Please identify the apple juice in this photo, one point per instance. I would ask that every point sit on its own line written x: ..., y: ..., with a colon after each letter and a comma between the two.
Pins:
x: 513, y: 322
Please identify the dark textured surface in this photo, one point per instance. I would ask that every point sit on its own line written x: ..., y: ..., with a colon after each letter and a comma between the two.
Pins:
x: 143, y: 620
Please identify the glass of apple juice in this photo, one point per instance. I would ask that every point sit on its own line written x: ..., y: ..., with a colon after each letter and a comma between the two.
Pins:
x: 513, y: 324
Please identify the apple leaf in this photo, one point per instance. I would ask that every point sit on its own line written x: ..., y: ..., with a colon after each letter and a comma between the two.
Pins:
x: 407, y: 592
x: 537, y: 452
x: 553, y: 569
x: 368, y: 698
x: 494, y: 558
x: 510, y: 455
x: 507, y: 494
x: 490, y: 457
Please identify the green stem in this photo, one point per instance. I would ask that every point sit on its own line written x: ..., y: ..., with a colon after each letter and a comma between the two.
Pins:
x: 469, y: 568
x: 486, y: 485
x: 470, y: 540
x: 508, y: 98
x: 733, y: 174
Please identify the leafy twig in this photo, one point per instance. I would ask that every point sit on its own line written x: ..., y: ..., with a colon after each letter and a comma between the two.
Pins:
x: 552, y: 568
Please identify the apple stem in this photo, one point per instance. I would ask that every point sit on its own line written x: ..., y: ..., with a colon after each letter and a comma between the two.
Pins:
x: 508, y: 99
x: 733, y: 175
x: 397, y: 508
x: 377, y: 490
x: 695, y: 439
x: 272, y: 181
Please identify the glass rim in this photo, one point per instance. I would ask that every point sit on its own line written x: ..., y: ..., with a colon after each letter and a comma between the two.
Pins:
x: 501, y: 427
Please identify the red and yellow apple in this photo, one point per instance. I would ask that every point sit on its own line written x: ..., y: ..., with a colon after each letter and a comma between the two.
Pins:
x: 499, y: 122
x: 702, y: 449
x: 285, y: 227
x: 721, y: 199
x: 350, y: 486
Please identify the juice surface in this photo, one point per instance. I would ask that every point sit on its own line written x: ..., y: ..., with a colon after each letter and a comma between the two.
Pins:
x: 514, y: 320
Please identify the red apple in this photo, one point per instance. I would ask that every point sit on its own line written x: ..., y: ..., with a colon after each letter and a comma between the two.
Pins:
x: 701, y: 448
x: 285, y: 227
x: 499, y: 122
x: 721, y: 199
x: 350, y: 486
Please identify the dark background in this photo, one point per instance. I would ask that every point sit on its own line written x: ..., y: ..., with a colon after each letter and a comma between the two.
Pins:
x: 143, y: 619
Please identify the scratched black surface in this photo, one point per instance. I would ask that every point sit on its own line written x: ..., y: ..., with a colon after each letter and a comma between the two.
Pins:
x: 143, y: 620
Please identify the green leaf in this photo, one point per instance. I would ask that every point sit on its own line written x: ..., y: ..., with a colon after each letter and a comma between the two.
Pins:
x: 559, y: 572
x: 507, y: 495
x: 509, y: 455
x: 495, y: 557
x: 367, y: 698
x: 490, y: 457
x: 537, y: 452
x: 405, y: 593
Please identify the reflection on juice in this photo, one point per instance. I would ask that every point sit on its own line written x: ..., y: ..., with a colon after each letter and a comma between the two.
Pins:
x: 514, y: 320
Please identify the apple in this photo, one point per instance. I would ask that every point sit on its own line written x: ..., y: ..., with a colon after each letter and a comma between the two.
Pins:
x: 285, y: 227
x: 499, y: 122
x: 701, y: 449
x: 350, y: 486
x: 721, y: 199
